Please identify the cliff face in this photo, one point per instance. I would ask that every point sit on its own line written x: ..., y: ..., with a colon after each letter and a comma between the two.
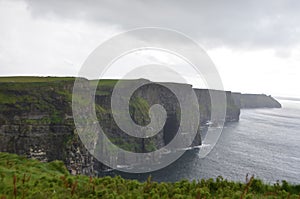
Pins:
x: 148, y: 95
x: 255, y: 101
x: 36, y: 119
x: 204, y: 100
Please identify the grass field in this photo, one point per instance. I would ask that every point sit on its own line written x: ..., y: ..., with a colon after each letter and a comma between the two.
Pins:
x: 34, y: 79
x: 23, y: 178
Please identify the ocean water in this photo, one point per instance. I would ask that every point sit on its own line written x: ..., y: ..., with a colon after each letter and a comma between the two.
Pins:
x: 264, y: 143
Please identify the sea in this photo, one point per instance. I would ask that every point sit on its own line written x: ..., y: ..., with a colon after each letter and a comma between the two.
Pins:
x: 264, y: 143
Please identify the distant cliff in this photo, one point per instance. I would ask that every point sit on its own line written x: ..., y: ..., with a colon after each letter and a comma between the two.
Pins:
x: 248, y: 101
x: 36, y: 119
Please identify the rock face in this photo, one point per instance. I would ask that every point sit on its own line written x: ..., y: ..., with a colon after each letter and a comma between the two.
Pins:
x: 36, y: 119
x: 247, y: 101
x: 204, y: 100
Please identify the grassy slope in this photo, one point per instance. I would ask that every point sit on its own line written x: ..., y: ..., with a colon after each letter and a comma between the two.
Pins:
x: 33, y: 79
x: 23, y: 178
x: 20, y: 95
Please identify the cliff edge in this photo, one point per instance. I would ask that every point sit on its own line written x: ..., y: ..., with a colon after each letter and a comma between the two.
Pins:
x: 248, y: 101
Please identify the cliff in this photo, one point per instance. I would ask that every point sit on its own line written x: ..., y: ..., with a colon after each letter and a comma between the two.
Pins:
x: 247, y: 101
x: 36, y: 119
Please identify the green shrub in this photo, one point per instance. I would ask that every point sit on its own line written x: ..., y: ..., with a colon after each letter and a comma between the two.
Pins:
x: 23, y: 178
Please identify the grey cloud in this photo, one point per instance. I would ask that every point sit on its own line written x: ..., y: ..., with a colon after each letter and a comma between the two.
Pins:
x: 233, y: 23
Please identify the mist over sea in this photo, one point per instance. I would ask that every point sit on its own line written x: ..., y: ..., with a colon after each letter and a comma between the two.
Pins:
x: 265, y: 142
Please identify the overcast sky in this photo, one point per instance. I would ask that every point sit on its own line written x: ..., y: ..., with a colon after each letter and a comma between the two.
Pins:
x: 254, y: 44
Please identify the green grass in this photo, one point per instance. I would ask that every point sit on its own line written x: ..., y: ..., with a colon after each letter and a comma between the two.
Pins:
x: 104, y: 82
x: 23, y: 178
x: 34, y: 79
x: 48, y: 95
x: 139, y: 109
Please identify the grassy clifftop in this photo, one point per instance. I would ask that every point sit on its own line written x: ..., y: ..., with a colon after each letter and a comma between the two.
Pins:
x: 34, y: 79
x: 23, y: 178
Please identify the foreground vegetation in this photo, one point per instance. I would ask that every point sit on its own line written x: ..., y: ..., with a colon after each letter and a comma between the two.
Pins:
x: 23, y: 178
